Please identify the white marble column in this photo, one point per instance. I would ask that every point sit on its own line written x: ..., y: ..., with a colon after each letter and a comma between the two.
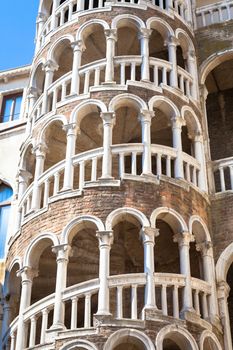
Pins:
x: 144, y: 37
x: 148, y: 235
x: 108, y: 123
x: 53, y: 15
x: 199, y: 155
x: 172, y: 44
x: 23, y: 180
x: 71, y: 133
x: 49, y: 68
x: 177, y: 144
x: 7, y: 310
x: 145, y: 119
x: 105, y: 242
x: 192, y: 69
x: 183, y: 239
x: 32, y: 97
x: 78, y: 48
x: 223, y: 293
x: 27, y: 274
x: 111, y: 38
x: 39, y: 151
x: 62, y: 251
x: 206, y: 250
x: 40, y: 21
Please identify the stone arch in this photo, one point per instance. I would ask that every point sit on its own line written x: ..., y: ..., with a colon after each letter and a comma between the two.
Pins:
x: 47, y: 123
x: 171, y: 217
x: 131, y: 99
x: 207, y: 334
x: 161, y: 26
x: 41, y: 62
x: 82, y: 344
x: 87, y: 107
x: 80, y: 33
x: 32, y: 253
x: 80, y: 221
x: 213, y: 61
x: 29, y: 143
x: 204, y: 234
x: 224, y: 262
x: 44, y: 7
x: 125, y: 334
x: 191, y: 120
x: 16, y: 261
x: 120, y: 213
x: 59, y: 41
x: 184, y: 40
x: 181, y: 336
x: 128, y: 19
x: 164, y: 104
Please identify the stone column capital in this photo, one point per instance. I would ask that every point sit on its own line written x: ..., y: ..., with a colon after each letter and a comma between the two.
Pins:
x: 148, y: 234
x: 144, y: 33
x: 105, y: 238
x: 146, y: 116
x: 24, y: 175
x: 177, y: 122
x: 40, y: 150
x: 108, y: 117
x: 33, y: 92
x: 62, y: 252
x: 27, y: 274
x: 183, y: 238
x: 172, y: 41
x: 78, y: 45
x: 198, y: 137
x: 223, y: 290
x: 205, y: 248
x: 50, y: 66
x: 41, y: 17
x: 70, y: 129
x: 111, y: 34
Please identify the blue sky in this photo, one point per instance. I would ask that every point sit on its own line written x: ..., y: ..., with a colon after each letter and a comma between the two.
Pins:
x: 17, y: 32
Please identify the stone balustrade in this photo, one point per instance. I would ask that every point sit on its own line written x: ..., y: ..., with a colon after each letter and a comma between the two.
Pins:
x: 70, y: 9
x: 218, y: 12
x: 223, y: 174
x: 87, y: 169
x: 130, y: 287
x: 126, y: 68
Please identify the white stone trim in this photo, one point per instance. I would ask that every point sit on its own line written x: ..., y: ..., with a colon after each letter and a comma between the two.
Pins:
x: 164, y: 27
x: 119, y: 100
x: 175, y: 329
x: 224, y: 262
x: 52, y: 49
x: 159, y: 101
x: 82, y: 28
x: 120, y: 213
x: 181, y: 227
x: 84, y: 344
x: 207, y: 334
x: 74, y: 118
x: 127, y: 18
x: 122, y: 334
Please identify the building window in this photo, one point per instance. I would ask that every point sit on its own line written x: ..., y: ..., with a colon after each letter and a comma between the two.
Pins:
x: 11, y: 107
x: 5, y: 206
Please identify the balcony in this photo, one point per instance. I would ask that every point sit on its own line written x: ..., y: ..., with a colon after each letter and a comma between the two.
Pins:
x: 72, y: 9
x: 80, y: 305
x: 87, y: 172
x: 218, y: 12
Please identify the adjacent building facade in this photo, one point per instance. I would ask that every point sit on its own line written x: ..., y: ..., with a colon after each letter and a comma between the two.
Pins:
x: 116, y: 179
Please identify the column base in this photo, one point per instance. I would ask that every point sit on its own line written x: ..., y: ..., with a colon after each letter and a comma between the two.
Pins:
x: 108, y: 83
x: 53, y: 331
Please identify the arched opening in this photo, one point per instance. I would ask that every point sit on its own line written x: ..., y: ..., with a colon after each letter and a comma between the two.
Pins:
x: 129, y: 346
x: 89, y: 137
x: 181, y: 60
x: 127, y: 130
x: 209, y: 344
x: 176, y: 341
x: 42, y: 260
x: 55, y: 140
x: 28, y: 164
x: 95, y: 44
x: 12, y: 296
x: 63, y: 56
x: 127, y: 44
x: 126, y: 257
x: 196, y: 250
x: 47, y: 7
x: 83, y: 266
x: 219, y: 84
x: 38, y: 81
x: 230, y: 297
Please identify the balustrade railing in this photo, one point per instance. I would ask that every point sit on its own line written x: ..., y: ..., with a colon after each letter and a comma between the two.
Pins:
x: 67, y: 10
x: 126, y: 302
x: 127, y: 160
x: 126, y: 68
x: 223, y: 174
x: 214, y: 13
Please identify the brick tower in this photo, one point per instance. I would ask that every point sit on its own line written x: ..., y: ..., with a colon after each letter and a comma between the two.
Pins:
x: 113, y: 240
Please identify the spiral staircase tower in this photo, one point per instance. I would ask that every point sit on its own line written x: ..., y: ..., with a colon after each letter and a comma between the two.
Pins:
x: 112, y: 246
